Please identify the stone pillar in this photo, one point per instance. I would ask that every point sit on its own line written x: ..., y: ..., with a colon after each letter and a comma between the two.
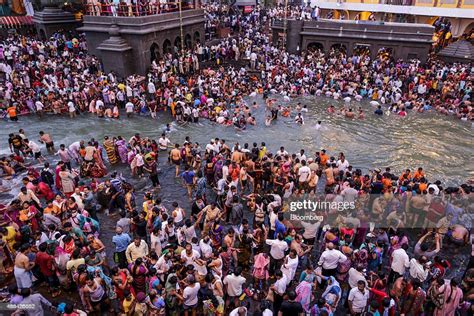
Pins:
x: 350, y: 48
x: 116, y: 54
x: 293, y: 37
x: 52, y: 19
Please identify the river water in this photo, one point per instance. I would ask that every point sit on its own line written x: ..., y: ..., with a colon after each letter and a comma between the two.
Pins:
x: 442, y: 145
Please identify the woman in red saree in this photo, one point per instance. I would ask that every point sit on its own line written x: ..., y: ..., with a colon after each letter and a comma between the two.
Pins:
x: 414, y: 299
x: 138, y: 272
x: 28, y: 216
x: 98, y: 170
x: 58, y: 178
x: 121, y: 279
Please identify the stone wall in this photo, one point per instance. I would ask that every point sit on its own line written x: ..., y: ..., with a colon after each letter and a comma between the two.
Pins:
x: 404, y: 40
x: 129, y: 41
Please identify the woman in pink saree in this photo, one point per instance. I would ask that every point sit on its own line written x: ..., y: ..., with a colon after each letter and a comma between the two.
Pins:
x: 61, y: 258
x: 260, y: 270
x: 304, y: 294
x: 452, y: 297
x: 121, y: 145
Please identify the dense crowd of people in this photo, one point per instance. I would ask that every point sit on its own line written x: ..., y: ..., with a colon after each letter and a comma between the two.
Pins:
x: 238, y: 250
x: 40, y: 77
x: 249, y: 244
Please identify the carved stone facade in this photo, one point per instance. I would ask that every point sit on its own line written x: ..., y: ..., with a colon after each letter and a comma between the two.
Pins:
x: 405, y: 41
x: 127, y: 45
x: 52, y: 19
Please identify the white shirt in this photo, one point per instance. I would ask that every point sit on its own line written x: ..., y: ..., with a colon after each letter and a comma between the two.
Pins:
x: 235, y: 312
x: 74, y: 147
x: 400, y: 261
x: 301, y: 157
x: 277, y: 251
x: 358, y: 299
x: 133, y: 252
x: 310, y: 229
x: 267, y: 312
x: 99, y: 104
x: 210, y: 148
x: 221, y: 186
x: 272, y: 217
x: 162, y: 265
x: 282, y: 153
x: 289, y: 269
x: 342, y: 165
x: 234, y: 284
x: 225, y: 172
x: 163, y: 142
x: 129, y: 91
x: 34, y: 146
x: 129, y: 107
x: 140, y: 161
x: 189, y: 259
x: 151, y: 87
x: 435, y: 188
x: 331, y: 258
x: 280, y: 285
x: 354, y: 277
x: 417, y: 271
x: 304, y: 173
x: 206, y: 249
x: 71, y: 107
x: 349, y: 194
x: 190, y: 294
x: 39, y: 106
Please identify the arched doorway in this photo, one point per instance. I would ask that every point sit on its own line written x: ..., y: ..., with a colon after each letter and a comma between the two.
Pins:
x: 188, y: 42
x: 167, y: 48
x: 177, y: 44
x: 411, y: 18
x: 344, y: 15
x: 468, y: 30
x: 338, y: 48
x: 362, y: 49
x: 333, y: 15
x: 404, y: 18
x: 197, y: 37
x: 385, y: 53
x: 432, y: 20
x: 315, y: 46
x: 364, y: 16
x: 154, y: 52
x: 42, y: 35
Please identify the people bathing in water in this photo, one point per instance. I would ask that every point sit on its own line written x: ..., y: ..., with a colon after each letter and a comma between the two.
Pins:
x: 179, y: 85
x: 299, y: 119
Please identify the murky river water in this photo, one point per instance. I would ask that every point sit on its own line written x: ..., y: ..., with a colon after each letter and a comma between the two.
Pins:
x: 442, y: 145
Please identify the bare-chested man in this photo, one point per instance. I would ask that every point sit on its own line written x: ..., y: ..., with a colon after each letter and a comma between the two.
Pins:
x: 212, y: 212
x: 175, y: 158
x: 47, y: 140
x: 23, y: 268
x: 229, y: 241
x: 418, y: 208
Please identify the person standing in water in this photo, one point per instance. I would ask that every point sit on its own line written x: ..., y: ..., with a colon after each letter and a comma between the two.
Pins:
x: 175, y: 158
x: 47, y: 140
x: 299, y: 119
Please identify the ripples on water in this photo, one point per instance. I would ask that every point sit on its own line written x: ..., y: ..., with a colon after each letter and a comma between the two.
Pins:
x: 442, y: 145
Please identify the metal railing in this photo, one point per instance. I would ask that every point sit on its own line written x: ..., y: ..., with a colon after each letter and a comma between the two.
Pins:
x: 424, y: 3
x: 96, y: 8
